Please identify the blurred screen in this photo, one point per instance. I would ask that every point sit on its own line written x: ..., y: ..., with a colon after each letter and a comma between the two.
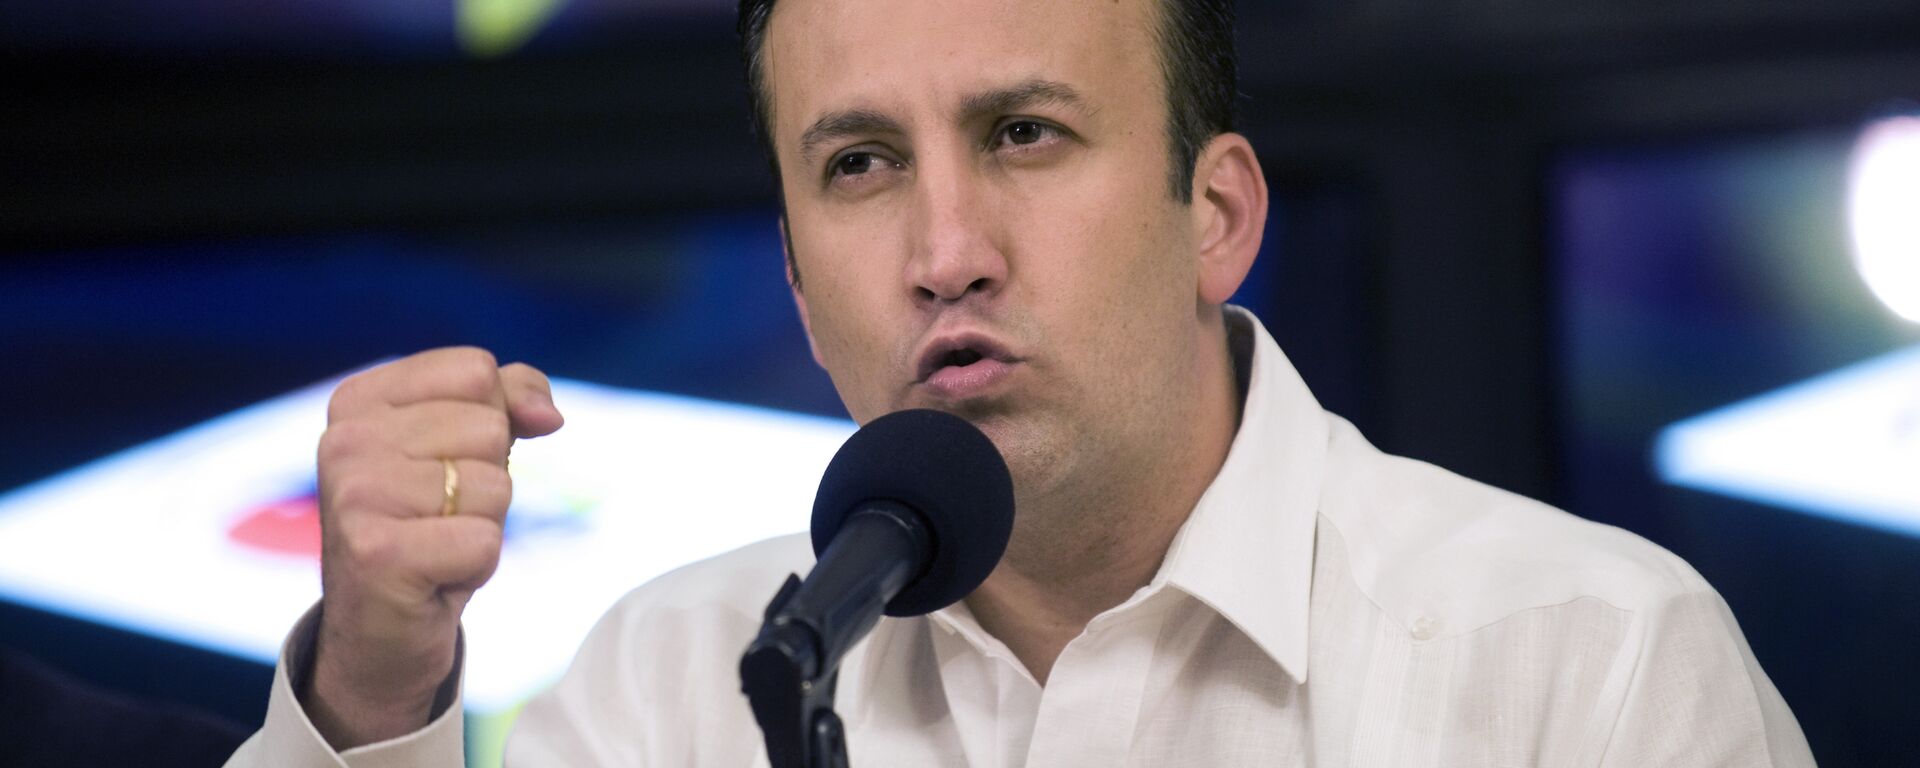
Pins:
x: 200, y: 372
x: 1731, y: 387
x: 211, y: 537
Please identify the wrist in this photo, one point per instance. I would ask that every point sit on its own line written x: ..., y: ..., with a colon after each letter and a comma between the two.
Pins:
x: 353, y: 703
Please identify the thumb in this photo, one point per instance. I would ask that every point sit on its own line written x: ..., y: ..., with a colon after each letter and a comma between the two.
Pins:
x: 530, y: 406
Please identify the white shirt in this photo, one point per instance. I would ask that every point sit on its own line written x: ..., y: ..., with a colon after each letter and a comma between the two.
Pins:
x: 1325, y: 605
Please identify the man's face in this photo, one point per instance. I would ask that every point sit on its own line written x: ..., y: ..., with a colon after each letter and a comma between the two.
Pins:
x: 977, y: 202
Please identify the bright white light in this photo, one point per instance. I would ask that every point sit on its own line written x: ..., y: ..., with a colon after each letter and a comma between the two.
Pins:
x: 637, y: 484
x: 1885, y: 212
x: 1832, y: 446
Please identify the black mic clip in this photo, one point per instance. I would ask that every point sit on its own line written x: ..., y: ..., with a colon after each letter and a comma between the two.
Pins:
x: 791, y: 690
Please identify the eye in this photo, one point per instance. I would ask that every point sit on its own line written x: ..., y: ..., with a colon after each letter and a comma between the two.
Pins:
x: 859, y: 163
x: 853, y: 164
x: 1022, y: 133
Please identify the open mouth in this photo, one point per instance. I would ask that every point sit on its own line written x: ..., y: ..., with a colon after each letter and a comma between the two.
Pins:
x: 960, y: 358
x: 963, y: 353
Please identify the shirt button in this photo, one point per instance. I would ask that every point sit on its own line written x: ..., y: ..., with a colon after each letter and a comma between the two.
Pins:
x: 1425, y: 627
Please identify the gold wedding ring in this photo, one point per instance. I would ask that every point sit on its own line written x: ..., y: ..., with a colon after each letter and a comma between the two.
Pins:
x: 450, y: 500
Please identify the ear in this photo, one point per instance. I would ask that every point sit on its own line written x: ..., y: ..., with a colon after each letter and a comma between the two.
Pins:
x: 1230, y: 214
x: 793, y: 284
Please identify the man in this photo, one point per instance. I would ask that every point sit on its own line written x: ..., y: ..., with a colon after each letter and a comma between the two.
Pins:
x: 1030, y: 214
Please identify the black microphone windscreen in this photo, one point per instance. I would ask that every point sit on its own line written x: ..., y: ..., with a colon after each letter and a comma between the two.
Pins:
x: 941, y: 466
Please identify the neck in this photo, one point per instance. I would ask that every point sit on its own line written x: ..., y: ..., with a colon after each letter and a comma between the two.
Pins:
x: 1112, y: 534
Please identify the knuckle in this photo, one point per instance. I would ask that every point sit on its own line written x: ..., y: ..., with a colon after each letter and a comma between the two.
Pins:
x: 490, y: 540
x: 472, y: 372
x: 354, y: 493
x: 345, y: 396
x: 496, y: 487
x: 340, y: 495
x: 474, y: 384
x: 343, y: 439
x: 476, y: 356
x: 496, y: 433
x: 478, y: 547
x: 369, y: 547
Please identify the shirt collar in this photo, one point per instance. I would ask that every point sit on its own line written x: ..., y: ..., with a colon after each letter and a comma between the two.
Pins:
x: 1247, y: 549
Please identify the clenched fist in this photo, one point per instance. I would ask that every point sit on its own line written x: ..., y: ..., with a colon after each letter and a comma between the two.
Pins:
x: 395, y: 571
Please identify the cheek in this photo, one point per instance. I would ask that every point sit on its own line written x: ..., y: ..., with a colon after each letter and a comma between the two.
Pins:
x: 850, y: 314
x: 1107, y: 249
x: 841, y: 351
x: 1108, y: 277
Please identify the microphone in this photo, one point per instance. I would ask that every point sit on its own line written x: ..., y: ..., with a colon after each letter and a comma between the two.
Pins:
x: 912, y: 514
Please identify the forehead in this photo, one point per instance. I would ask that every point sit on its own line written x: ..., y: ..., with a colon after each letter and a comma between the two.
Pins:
x: 899, y: 55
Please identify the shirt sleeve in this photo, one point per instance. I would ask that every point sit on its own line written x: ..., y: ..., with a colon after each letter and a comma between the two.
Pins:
x: 1695, y: 696
x: 288, y: 738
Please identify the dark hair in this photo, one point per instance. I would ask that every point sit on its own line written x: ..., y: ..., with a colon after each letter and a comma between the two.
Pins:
x: 1196, y: 57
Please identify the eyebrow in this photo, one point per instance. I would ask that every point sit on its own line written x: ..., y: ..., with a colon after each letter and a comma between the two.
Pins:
x: 836, y: 125
x: 1025, y: 94
x: 1021, y: 95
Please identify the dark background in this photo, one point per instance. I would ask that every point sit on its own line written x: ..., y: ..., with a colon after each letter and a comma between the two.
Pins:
x: 196, y: 215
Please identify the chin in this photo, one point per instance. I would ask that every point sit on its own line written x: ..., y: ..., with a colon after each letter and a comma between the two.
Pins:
x: 1036, y: 455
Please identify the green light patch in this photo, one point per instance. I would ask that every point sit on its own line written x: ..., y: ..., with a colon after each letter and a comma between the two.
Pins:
x: 488, y: 28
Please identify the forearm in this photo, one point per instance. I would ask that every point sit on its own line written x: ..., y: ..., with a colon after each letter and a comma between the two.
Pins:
x: 291, y: 736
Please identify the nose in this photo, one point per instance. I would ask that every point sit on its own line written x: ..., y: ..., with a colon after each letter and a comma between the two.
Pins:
x: 956, y: 250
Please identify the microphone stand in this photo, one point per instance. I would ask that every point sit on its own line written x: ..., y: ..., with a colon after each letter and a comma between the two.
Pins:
x: 790, y: 670
x: 793, y: 703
